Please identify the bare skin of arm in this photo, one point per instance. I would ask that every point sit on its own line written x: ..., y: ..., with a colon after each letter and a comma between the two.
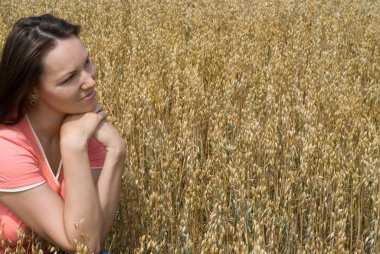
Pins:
x: 53, y: 218
x: 109, y: 182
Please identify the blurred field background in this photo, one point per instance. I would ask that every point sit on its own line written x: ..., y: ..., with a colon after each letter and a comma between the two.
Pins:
x: 251, y: 126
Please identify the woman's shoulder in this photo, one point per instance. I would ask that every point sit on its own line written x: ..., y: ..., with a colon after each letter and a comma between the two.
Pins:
x: 19, y: 165
x: 14, y: 133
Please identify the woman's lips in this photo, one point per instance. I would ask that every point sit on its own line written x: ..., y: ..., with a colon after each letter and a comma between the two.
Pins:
x: 89, y: 96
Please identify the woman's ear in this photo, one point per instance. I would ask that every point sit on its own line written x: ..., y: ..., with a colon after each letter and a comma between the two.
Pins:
x: 35, y: 92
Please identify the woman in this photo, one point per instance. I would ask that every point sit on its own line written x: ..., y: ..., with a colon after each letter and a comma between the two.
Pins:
x: 61, y: 162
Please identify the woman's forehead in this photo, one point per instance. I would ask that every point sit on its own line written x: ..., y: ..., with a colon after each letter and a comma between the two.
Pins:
x: 67, y: 55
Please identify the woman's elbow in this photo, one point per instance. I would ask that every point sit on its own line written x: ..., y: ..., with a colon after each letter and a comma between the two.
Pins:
x: 83, y: 245
x: 93, y: 248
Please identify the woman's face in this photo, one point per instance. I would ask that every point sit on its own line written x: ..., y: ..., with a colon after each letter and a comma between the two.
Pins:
x: 67, y: 83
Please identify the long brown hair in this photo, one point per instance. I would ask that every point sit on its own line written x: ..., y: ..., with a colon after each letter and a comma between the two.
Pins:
x: 22, y: 61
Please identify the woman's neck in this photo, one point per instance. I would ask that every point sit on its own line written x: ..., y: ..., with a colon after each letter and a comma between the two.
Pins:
x: 46, y: 126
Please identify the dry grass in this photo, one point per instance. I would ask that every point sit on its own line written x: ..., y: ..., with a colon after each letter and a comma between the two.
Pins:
x: 252, y: 126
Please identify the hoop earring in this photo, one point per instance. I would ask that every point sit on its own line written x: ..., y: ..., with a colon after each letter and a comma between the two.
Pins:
x: 33, y: 102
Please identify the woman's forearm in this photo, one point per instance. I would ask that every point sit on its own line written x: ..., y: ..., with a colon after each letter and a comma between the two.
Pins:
x: 109, y: 185
x: 82, y: 203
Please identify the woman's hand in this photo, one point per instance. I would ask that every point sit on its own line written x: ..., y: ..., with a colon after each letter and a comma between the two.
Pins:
x: 109, y: 137
x: 78, y: 128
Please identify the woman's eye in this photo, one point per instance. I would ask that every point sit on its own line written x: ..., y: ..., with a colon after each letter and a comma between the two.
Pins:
x: 68, y: 79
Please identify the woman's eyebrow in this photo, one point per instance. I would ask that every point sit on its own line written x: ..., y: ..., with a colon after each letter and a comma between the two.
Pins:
x: 66, y: 74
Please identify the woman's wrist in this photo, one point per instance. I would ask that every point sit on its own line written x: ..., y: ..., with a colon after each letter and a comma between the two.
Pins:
x: 116, y: 151
x: 77, y: 145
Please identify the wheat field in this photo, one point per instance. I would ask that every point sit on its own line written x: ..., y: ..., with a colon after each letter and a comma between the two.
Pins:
x: 251, y: 126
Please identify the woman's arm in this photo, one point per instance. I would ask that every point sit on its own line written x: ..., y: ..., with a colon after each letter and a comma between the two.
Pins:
x: 82, y: 202
x: 102, y: 208
x: 42, y: 210
x: 109, y: 183
x: 81, y: 198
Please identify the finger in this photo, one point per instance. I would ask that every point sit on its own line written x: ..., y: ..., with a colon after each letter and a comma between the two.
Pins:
x: 98, y: 107
x: 102, y: 113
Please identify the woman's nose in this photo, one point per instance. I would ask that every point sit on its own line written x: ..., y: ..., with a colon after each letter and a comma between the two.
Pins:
x: 88, y: 79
